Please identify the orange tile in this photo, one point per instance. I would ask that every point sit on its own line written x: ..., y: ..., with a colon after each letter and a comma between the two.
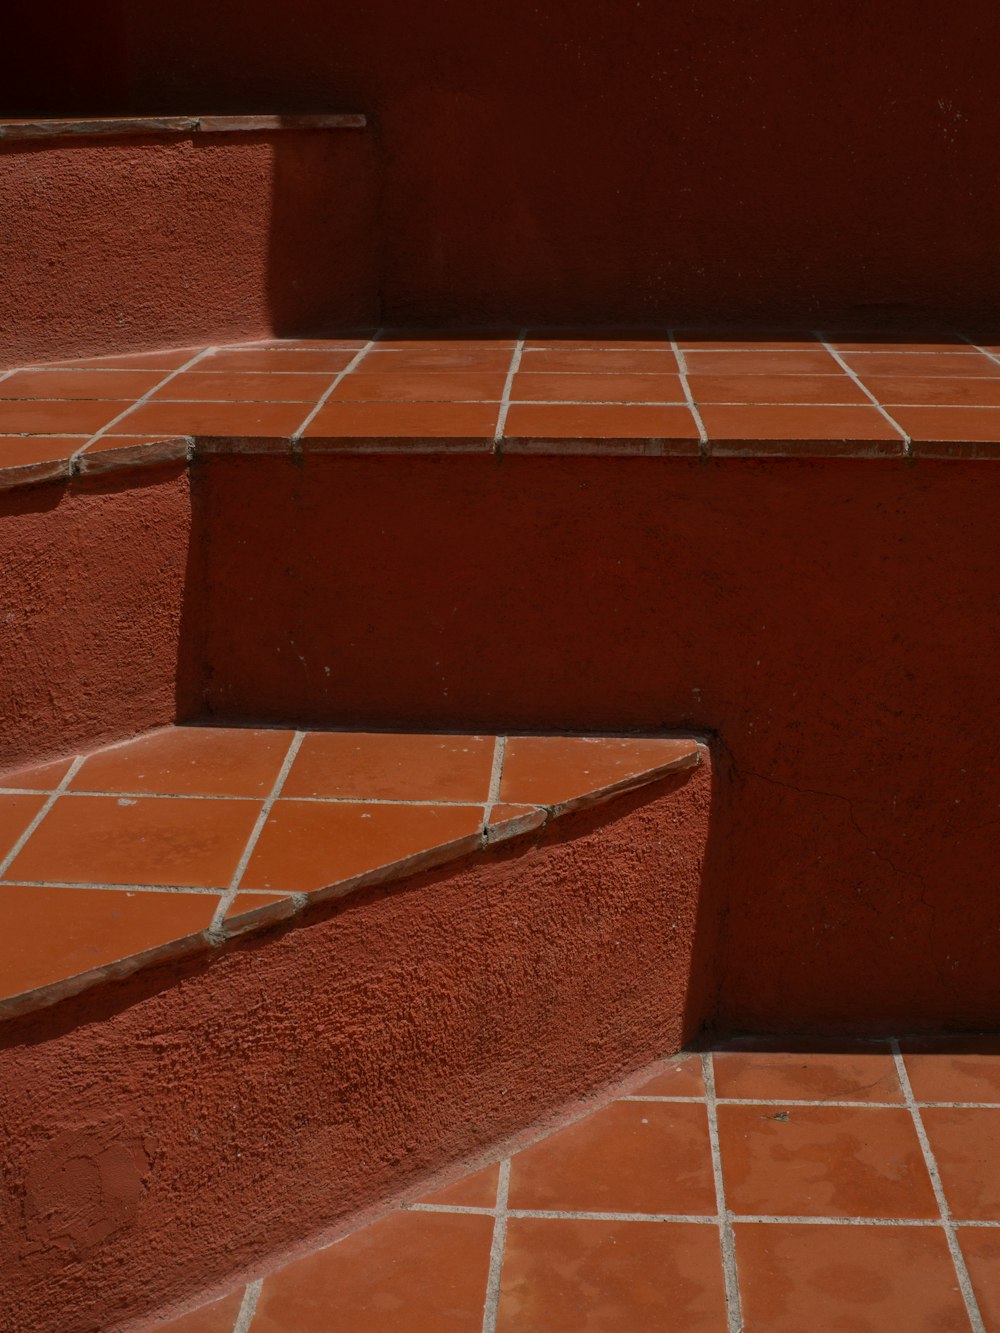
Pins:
x: 167, y: 359
x: 454, y: 344
x: 935, y: 391
x: 894, y: 342
x: 141, y: 840
x: 269, y: 386
x: 422, y: 1272
x: 41, y: 777
x: 253, y: 902
x: 16, y: 813
x: 48, y: 935
x: 720, y: 340
x: 757, y: 425
x: 953, y: 1069
x: 563, y: 1276
x: 384, y: 766
x: 552, y: 770
x: 391, y: 421
x: 45, y: 457
x: 74, y: 384
x: 981, y: 1248
x: 309, y: 845
x: 678, y: 1078
x: 601, y: 421
x: 956, y: 424
x: 478, y: 1190
x: 529, y: 387
x: 511, y: 821
x: 189, y: 761
x: 921, y: 365
x: 802, y: 361
x: 436, y: 357
x: 966, y: 1145
x: 811, y: 1071
x: 823, y: 1162
x: 218, y: 1317
x: 277, y: 358
x: 353, y: 342
x: 592, y: 339
x: 601, y: 361
x: 246, y: 420
x: 70, y: 417
x: 117, y: 451
x: 830, y: 389
x: 830, y: 1279
x: 628, y: 1157
x: 426, y: 386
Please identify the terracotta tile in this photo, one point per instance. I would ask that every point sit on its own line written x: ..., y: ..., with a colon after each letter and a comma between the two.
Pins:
x: 143, y: 840
x: 953, y: 1069
x: 529, y: 387
x: 111, y: 452
x: 795, y: 389
x: 76, y: 417
x: 48, y: 934
x: 406, y: 766
x: 981, y: 1248
x: 254, y: 902
x: 807, y: 1071
x: 513, y: 821
x: 601, y: 421
x: 16, y: 813
x: 455, y: 356
x: 36, y: 457
x: 628, y: 1157
x: 592, y: 339
x: 401, y: 421
x: 935, y: 391
x: 253, y: 420
x: 827, y: 427
x: 823, y: 1162
x: 422, y: 1272
x: 555, y: 770
x: 562, y: 1276
x: 478, y: 1190
x: 838, y: 1278
x: 308, y: 845
x: 719, y: 340
x: 268, y: 386
x: 165, y: 360
x: 425, y: 386
x: 218, y: 1317
x: 442, y: 342
x: 601, y: 361
x: 894, y: 341
x: 189, y: 761
x: 73, y: 384
x: 352, y: 342
x: 957, y: 424
x: 921, y: 365
x: 232, y: 359
x: 966, y: 1145
x: 802, y: 361
x: 678, y: 1078
x: 40, y: 777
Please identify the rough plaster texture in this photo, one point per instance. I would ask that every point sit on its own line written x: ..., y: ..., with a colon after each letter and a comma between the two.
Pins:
x: 177, y: 1128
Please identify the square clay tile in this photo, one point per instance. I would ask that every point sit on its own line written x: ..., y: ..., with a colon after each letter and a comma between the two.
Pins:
x: 144, y: 840
x: 108, y: 453
x: 478, y: 1190
x: 72, y: 384
x: 861, y: 340
x: 68, y: 417
x: 166, y: 360
x: 230, y: 420
x: 596, y: 339
x: 16, y: 813
x: 397, y: 766
x: 40, y: 777
x: 935, y: 391
x: 232, y: 359
x: 564, y: 771
x: 727, y: 340
x: 353, y: 342
x: 807, y: 1070
x: 628, y: 1157
x: 513, y: 821
x: 827, y: 1278
x: 677, y: 1078
x: 454, y: 356
x: 810, y: 1161
x: 466, y: 422
x: 51, y: 934
x: 600, y: 361
x: 218, y: 1317
x: 957, y: 425
x: 966, y: 1145
x: 248, y: 386
x: 562, y: 1276
x: 189, y: 761
x: 413, y: 1271
x: 921, y: 365
x: 953, y: 1069
x: 602, y: 423
x: 401, y: 341
x: 309, y: 845
x: 801, y: 361
x: 835, y: 389
x: 529, y: 387
x: 808, y: 430
x: 420, y: 386
x: 981, y: 1249
x: 28, y: 459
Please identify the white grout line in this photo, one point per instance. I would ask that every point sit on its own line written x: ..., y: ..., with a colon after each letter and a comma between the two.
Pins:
x: 228, y: 897
x: 497, y: 1249
x: 222, y: 796
x: 353, y: 364
x: 727, y: 1241
x: 961, y: 1272
x: 907, y: 442
x: 515, y: 365
x: 16, y: 850
x: 703, y: 444
x: 117, y: 888
x: 496, y: 777
x: 702, y: 1219
x: 245, y: 1316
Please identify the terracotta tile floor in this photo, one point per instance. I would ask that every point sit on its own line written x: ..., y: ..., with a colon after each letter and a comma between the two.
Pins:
x: 683, y: 392
x: 858, y: 1192
x: 187, y: 835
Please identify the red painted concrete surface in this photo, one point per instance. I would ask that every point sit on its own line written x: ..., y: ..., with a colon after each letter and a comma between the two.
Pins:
x: 179, y: 1128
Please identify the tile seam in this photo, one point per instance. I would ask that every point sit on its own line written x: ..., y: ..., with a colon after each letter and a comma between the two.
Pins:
x: 505, y: 397
x: 248, y: 1306
x: 727, y: 1240
x: 324, y: 398
x: 496, y: 777
x: 497, y: 1246
x: 701, y: 1219
x: 704, y: 446
x: 852, y: 375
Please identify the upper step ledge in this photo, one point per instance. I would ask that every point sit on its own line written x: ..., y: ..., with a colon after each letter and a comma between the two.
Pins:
x: 92, y: 127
